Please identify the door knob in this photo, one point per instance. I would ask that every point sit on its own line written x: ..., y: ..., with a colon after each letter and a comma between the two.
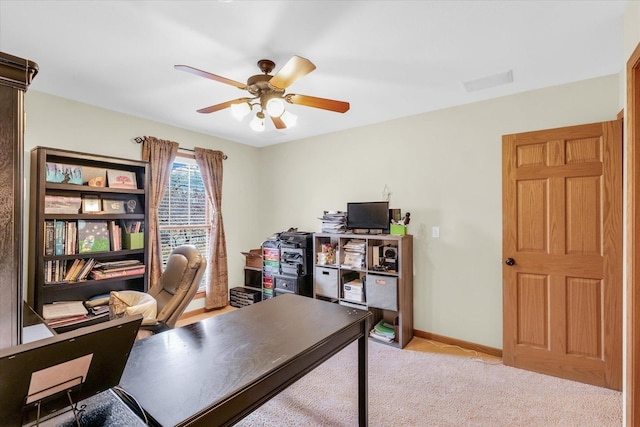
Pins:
x: 510, y: 261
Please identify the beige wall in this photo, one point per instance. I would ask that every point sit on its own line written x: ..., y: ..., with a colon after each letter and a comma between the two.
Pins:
x: 56, y: 122
x: 445, y: 168
x: 631, y: 28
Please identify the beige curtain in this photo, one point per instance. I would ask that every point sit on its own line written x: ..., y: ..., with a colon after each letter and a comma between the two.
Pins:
x: 160, y: 154
x: 217, y: 290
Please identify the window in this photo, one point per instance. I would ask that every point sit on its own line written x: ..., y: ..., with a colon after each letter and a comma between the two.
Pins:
x: 184, y: 213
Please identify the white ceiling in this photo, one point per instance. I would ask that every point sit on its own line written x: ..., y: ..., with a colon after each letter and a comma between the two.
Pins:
x: 389, y: 59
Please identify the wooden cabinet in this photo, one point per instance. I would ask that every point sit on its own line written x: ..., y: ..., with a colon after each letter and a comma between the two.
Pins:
x: 85, y: 208
x: 16, y: 75
x: 368, y: 271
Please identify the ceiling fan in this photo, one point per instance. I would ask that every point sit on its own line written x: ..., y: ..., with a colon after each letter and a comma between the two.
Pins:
x: 268, y: 93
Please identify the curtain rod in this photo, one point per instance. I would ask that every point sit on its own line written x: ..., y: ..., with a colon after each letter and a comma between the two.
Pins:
x: 140, y: 140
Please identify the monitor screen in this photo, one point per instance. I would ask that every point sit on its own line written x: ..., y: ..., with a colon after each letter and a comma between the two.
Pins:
x: 368, y: 215
x: 83, y: 362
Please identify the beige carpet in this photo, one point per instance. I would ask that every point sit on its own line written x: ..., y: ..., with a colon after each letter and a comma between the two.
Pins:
x: 415, y: 388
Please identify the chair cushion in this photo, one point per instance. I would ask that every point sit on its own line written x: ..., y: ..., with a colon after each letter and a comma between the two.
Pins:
x: 128, y: 303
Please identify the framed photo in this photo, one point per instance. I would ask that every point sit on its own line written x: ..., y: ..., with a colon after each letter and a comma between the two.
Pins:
x: 122, y: 179
x: 64, y: 174
x: 91, y: 204
x: 132, y: 205
x: 113, y: 206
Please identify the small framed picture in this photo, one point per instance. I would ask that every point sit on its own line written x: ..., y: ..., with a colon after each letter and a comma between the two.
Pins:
x: 113, y: 206
x: 132, y: 205
x: 121, y: 179
x: 91, y: 204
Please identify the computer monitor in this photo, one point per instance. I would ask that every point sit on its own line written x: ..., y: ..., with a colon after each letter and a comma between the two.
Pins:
x: 73, y: 365
x: 368, y: 215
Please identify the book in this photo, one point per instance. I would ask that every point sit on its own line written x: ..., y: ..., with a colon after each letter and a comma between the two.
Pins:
x: 77, y: 267
x: 60, y: 232
x: 93, y: 236
x: 115, y: 264
x: 62, y: 204
x: 375, y: 335
x: 385, y: 328
x: 100, y: 275
x: 71, y: 269
x: 86, y: 269
x: 49, y: 238
x: 62, y: 309
x: 122, y: 268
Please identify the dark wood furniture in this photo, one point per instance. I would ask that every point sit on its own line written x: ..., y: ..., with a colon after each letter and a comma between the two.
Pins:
x: 41, y: 291
x: 215, y: 372
x: 16, y: 75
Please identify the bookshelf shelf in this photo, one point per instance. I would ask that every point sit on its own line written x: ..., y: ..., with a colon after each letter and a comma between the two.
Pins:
x: 65, y: 203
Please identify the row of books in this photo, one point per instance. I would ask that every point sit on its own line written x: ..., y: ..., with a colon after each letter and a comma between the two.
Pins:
x: 60, y: 237
x: 62, y: 272
x: 108, y: 270
x: 72, y: 237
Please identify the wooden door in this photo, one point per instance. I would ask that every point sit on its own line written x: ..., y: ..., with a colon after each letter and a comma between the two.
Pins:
x: 562, y: 252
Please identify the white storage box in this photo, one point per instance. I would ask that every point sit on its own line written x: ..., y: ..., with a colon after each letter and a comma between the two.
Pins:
x: 353, y: 291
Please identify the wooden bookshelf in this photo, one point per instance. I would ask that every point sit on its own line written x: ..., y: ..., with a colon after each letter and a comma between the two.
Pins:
x: 48, y: 280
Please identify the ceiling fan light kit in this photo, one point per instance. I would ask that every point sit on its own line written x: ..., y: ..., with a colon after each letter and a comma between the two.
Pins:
x: 269, y: 94
x: 241, y: 110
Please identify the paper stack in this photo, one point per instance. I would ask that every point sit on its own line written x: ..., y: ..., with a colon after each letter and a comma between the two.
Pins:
x: 64, y: 313
x: 383, y: 331
x: 354, y: 254
x: 334, y: 222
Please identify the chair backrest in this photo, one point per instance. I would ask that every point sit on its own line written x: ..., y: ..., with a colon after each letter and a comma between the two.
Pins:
x: 178, y: 283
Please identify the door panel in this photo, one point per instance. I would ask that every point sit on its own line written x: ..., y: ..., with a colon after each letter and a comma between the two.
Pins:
x: 533, y: 292
x: 562, y: 224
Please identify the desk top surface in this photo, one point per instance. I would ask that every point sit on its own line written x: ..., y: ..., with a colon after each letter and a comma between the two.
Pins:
x: 183, y: 371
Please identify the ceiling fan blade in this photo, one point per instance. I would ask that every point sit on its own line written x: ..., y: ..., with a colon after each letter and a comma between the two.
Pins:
x: 324, y: 103
x: 296, y: 68
x: 222, y: 105
x: 208, y: 75
x: 278, y: 122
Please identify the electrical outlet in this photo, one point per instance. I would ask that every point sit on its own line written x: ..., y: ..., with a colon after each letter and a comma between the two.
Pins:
x: 435, y: 232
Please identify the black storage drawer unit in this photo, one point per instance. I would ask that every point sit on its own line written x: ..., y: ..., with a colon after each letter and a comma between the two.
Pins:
x: 286, y: 283
x: 240, y: 297
x: 300, y: 285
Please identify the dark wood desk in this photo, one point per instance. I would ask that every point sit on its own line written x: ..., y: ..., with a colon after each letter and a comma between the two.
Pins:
x: 217, y: 371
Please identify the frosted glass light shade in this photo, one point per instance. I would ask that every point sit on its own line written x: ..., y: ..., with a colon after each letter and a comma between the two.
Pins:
x: 257, y: 124
x: 275, y: 107
x: 240, y: 111
x: 289, y: 119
